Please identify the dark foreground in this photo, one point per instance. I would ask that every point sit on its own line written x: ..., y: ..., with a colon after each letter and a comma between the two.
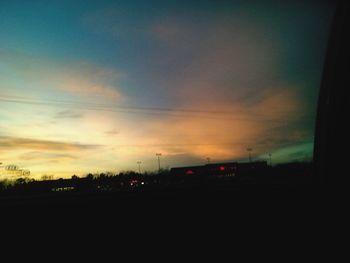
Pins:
x: 285, y: 184
x: 200, y: 194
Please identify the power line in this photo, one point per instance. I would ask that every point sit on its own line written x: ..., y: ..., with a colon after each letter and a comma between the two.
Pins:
x: 130, y: 110
x: 172, y: 112
x: 162, y: 109
x: 177, y: 144
x: 147, y: 108
x: 122, y: 111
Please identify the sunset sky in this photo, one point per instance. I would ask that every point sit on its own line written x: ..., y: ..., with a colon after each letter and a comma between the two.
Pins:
x: 94, y: 86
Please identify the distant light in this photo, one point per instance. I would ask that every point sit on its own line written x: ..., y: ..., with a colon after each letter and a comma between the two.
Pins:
x: 189, y: 172
x: 222, y: 168
x: 142, y: 183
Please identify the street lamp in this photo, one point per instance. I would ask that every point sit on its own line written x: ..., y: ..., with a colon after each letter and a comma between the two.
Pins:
x: 158, y: 154
x: 139, y: 163
x: 250, y: 156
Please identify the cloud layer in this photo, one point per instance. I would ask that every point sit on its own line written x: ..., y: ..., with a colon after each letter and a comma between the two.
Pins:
x: 45, y: 77
x: 10, y: 143
x: 192, y: 80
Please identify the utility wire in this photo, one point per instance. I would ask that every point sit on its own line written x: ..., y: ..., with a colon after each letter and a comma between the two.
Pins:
x: 173, y: 112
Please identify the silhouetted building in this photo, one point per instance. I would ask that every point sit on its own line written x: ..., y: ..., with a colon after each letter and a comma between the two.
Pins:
x: 220, y: 169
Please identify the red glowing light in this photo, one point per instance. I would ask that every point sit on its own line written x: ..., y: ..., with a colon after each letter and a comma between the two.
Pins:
x: 189, y: 172
x: 222, y: 168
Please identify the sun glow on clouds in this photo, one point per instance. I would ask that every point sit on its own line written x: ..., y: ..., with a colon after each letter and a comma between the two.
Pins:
x: 50, y: 137
x: 226, y: 136
x: 220, y: 76
x: 87, y: 80
x: 45, y: 77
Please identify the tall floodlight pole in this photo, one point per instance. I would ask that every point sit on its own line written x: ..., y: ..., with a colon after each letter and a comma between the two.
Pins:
x: 208, y: 159
x: 250, y: 155
x: 270, y: 159
x: 158, y: 154
x: 139, y: 163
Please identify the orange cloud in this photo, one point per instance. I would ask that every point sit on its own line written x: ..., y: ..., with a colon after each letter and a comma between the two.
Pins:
x: 225, y: 135
x: 9, y: 143
x: 86, y: 80
x: 47, y: 157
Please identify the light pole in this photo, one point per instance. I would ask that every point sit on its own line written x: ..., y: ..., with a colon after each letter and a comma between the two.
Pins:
x: 139, y: 163
x: 158, y: 154
x: 250, y: 156
x: 270, y: 159
x: 208, y: 159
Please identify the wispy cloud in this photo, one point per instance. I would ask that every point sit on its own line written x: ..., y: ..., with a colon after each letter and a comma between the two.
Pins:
x: 113, y: 132
x: 9, y: 143
x: 68, y: 114
x: 86, y: 79
x: 82, y: 79
x: 114, y: 21
x: 44, y: 156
